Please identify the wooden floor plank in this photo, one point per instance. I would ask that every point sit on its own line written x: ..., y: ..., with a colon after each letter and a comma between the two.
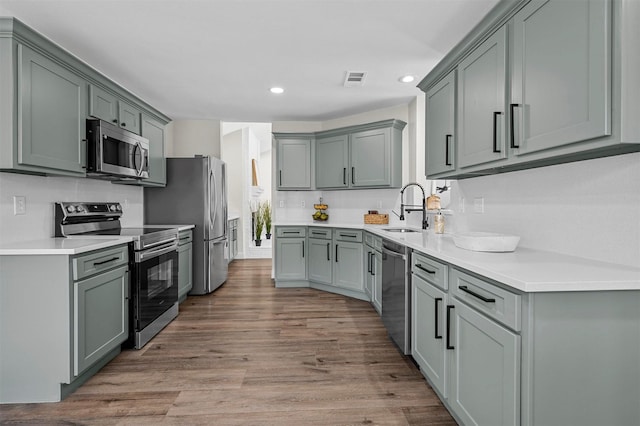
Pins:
x: 251, y: 354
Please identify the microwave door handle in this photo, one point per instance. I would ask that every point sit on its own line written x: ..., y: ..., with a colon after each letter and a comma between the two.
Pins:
x: 135, y: 158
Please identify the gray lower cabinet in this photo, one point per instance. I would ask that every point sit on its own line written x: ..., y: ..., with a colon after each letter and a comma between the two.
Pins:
x: 185, y: 263
x: 233, y: 239
x: 428, y: 328
x: 348, y: 260
x: 293, y: 161
x: 376, y: 296
x: 320, y: 261
x: 440, y: 152
x: 50, y: 121
x: 484, y: 368
x: 54, y: 341
x: 499, y: 357
x: 290, y: 257
x: 373, y: 271
x: 101, y: 316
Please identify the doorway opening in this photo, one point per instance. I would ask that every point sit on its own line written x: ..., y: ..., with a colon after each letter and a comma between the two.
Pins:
x: 246, y: 148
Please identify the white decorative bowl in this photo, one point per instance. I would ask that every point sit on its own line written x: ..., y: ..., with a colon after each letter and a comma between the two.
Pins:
x: 486, y: 241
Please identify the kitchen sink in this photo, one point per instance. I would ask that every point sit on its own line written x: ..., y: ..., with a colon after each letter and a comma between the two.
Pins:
x: 400, y: 230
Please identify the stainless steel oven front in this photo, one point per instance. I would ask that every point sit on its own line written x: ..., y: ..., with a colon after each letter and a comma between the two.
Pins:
x: 155, y: 291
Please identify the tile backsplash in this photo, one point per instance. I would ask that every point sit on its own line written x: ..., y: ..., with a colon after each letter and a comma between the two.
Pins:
x: 42, y: 192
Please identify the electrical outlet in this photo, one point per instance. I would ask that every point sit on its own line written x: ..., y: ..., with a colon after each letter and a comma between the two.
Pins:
x: 19, y: 204
x: 281, y: 203
x: 379, y: 204
x: 303, y: 204
x: 478, y: 205
x: 461, y: 203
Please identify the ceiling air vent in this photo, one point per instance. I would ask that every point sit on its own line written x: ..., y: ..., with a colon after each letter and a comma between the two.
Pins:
x: 354, y: 78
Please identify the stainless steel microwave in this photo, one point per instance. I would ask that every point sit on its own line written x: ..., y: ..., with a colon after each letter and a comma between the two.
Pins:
x: 115, y: 152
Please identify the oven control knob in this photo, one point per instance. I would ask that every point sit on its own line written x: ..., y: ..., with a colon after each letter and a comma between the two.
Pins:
x: 80, y: 208
x: 112, y: 207
x: 119, y: 207
x: 71, y: 209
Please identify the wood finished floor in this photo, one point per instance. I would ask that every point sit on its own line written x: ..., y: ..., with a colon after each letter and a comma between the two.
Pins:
x: 251, y: 354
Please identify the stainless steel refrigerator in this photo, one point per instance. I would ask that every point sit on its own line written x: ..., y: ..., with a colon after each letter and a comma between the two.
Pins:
x: 196, y: 193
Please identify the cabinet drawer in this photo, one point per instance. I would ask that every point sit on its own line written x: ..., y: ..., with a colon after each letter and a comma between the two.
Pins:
x: 94, y: 262
x: 322, y: 233
x: 349, y: 235
x: 185, y: 237
x: 377, y: 243
x: 430, y: 270
x: 291, y: 232
x: 493, y: 301
x: 368, y: 239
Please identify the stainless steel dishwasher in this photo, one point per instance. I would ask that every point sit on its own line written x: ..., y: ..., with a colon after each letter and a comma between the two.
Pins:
x: 396, y: 294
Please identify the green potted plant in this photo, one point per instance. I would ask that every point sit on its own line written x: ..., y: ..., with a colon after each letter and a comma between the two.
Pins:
x: 259, y: 226
x: 266, y: 215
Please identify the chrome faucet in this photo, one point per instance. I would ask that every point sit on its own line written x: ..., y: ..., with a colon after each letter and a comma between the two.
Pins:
x: 423, y: 208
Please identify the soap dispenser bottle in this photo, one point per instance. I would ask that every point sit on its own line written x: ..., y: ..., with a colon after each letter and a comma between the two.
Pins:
x: 438, y: 223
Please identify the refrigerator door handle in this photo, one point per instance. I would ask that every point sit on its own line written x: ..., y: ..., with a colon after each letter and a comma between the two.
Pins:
x: 213, y: 198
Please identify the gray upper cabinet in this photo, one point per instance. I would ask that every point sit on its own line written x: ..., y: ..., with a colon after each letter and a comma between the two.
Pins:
x: 46, y: 95
x: 541, y: 82
x: 362, y: 156
x: 561, y: 74
x: 332, y: 162
x: 51, y: 105
x: 371, y: 158
x: 154, y: 130
x: 440, y: 126
x: 108, y: 107
x: 293, y: 168
x: 481, y: 102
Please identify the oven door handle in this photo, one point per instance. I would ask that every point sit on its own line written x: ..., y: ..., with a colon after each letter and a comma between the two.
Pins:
x: 141, y: 256
x: 159, y: 243
x: 393, y: 253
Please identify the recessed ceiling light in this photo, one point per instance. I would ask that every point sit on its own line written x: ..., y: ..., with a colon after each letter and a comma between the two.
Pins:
x: 277, y: 90
x: 407, y: 78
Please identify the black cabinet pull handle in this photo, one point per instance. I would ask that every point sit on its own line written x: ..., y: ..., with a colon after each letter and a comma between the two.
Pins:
x: 419, y: 266
x: 348, y: 235
x: 474, y: 294
x: 344, y: 175
x: 290, y: 232
x: 328, y: 252
x: 373, y: 264
x: 449, y: 309
x: 447, y: 141
x: 436, y: 300
x: 495, y: 131
x: 369, y: 262
x: 105, y: 261
x: 280, y: 177
x: 115, y: 120
x: 123, y: 124
x: 336, y: 252
x: 512, y: 132
x: 302, y: 249
x: 353, y: 175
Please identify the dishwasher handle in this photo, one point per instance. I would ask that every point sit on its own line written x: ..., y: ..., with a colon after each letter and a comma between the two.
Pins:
x: 386, y: 250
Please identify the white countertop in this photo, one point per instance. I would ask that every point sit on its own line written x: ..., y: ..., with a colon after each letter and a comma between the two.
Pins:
x: 524, y: 269
x: 61, y: 246
x: 180, y: 227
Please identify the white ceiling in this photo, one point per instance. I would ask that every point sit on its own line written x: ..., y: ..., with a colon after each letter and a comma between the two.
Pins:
x: 217, y: 59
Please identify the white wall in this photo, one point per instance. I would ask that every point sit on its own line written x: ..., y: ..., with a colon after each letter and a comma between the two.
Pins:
x: 191, y: 137
x: 589, y: 209
x: 42, y: 192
